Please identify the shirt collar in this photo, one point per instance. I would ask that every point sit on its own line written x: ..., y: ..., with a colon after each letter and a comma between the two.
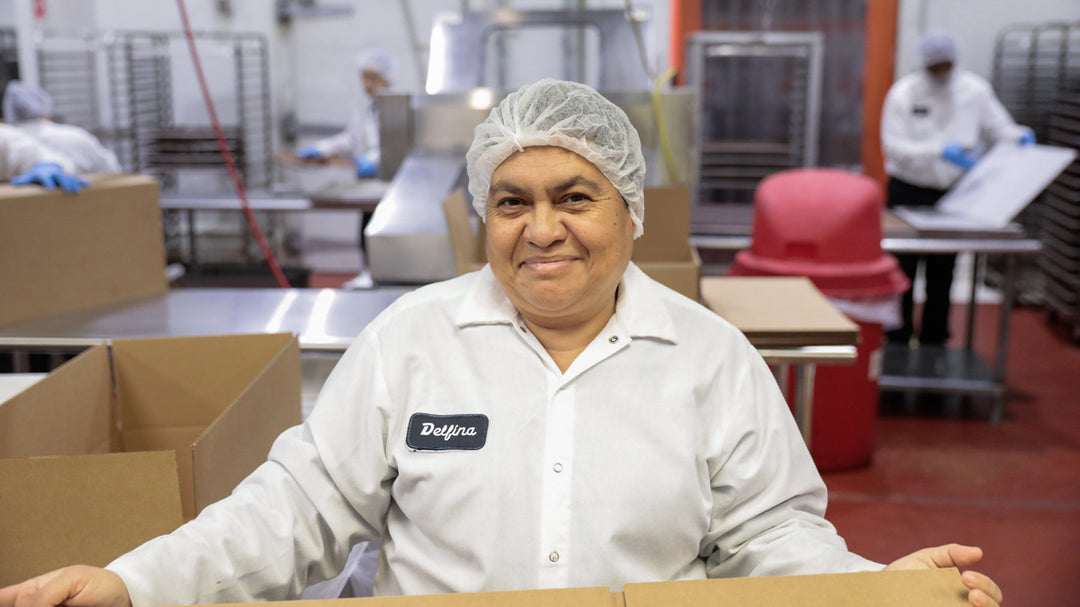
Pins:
x: 640, y: 310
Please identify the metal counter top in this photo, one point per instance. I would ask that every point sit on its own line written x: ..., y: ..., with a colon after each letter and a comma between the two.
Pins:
x: 916, y: 244
x: 324, y: 320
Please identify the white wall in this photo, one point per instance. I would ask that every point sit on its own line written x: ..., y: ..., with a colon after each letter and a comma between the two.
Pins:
x: 975, y: 23
x: 312, y: 60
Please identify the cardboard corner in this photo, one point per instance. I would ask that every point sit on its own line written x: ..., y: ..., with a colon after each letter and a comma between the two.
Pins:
x: 68, y: 413
x: 54, y: 509
x: 467, y: 245
x: 161, y: 407
x: 239, y: 440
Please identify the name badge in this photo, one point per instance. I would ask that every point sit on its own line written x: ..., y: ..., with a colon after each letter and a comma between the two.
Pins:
x: 446, y: 432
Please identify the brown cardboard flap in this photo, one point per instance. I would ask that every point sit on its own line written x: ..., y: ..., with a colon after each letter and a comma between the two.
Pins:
x: 667, y: 225
x: 271, y: 403
x: 468, y: 246
x: 683, y: 275
x: 175, y: 440
x: 562, y: 597
x: 57, y: 511
x: 778, y: 310
x: 68, y: 413
x: 917, y: 588
x: 65, y: 252
x: 170, y: 382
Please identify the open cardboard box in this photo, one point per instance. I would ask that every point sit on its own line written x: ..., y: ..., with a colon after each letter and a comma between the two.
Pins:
x: 65, y: 252
x: 663, y: 251
x: 128, y: 439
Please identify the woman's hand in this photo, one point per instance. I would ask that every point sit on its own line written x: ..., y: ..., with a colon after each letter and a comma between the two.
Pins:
x: 982, y: 591
x: 77, y: 586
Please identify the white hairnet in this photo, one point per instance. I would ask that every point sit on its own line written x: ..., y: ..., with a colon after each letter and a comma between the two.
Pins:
x: 937, y: 46
x: 568, y: 115
x: 25, y: 102
x: 376, y: 61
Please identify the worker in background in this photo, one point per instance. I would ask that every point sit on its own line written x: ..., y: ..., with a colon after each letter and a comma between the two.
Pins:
x: 935, y: 123
x: 360, y: 139
x: 24, y: 161
x: 556, y: 419
x: 30, y: 109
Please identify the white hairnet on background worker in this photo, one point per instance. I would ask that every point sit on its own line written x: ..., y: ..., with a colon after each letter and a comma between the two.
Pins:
x: 569, y: 115
x: 24, y: 102
x: 30, y: 109
x: 937, y: 46
x: 378, y: 62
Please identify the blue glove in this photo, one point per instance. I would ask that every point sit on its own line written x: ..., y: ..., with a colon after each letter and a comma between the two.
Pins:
x: 954, y: 153
x: 1027, y: 137
x: 50, y: 175
x: 309, y: 153
x: 365, y: 167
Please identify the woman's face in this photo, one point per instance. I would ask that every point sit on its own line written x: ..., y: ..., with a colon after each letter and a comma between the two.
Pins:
x: 559, y: 236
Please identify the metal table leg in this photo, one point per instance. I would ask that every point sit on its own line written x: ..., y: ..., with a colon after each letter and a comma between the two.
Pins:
x: 1008, y: 295
x: 804, y: 398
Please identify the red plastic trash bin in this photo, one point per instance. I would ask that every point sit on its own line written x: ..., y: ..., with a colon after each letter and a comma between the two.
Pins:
x: 825, y: 224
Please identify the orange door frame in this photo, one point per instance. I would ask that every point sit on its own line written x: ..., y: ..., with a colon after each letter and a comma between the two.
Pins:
x: 878, y: 67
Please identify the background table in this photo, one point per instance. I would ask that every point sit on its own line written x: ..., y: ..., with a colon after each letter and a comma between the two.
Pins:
x: 791, y: 324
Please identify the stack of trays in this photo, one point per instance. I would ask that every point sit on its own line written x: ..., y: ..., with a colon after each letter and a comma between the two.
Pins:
x: 1060, y: 257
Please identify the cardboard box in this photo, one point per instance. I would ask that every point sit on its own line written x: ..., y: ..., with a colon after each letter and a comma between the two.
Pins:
x: 776, y: 311
x: 556, y: 597
x: 917, y: 588
x: 663, y: 251
x: 125, y: 441
x: 64, y: 252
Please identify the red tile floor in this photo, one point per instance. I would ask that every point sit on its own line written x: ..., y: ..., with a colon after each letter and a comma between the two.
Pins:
x: 942, y: 474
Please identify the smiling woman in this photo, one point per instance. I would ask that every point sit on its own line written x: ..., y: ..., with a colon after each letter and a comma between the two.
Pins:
x: 559, y: 238
x: 556, y: 419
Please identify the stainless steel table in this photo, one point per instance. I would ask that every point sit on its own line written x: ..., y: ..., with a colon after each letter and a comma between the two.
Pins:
x: 948, y: 370
x: 960, y: 370
x: 362, y: 196
x: 324, y: 320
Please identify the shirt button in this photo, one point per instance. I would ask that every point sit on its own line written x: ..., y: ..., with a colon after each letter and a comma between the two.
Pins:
x: 557, y: 467
x: 554, y: 557
x: 613, y: 339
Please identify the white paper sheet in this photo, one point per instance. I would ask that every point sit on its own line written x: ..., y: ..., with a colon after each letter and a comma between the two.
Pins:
x: 1004, y: 181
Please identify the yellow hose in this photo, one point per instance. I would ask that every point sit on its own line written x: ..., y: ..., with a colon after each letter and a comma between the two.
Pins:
x: 661, y: 127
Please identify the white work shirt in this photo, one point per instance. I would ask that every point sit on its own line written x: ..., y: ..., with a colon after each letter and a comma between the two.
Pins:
x: 83, y: 149
x: 19, y: 153
x: 921, y: 117
x: 360, y: 137
x: 665, y: 452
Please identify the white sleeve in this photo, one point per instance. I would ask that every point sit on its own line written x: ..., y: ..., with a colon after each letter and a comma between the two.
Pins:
x: 997, y: 125
x: 22, y: 152
x: 899, y: 147
x: 103, y: 159
x: 768, y: 498
x: 347, y: 143
x: 286, y: 526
